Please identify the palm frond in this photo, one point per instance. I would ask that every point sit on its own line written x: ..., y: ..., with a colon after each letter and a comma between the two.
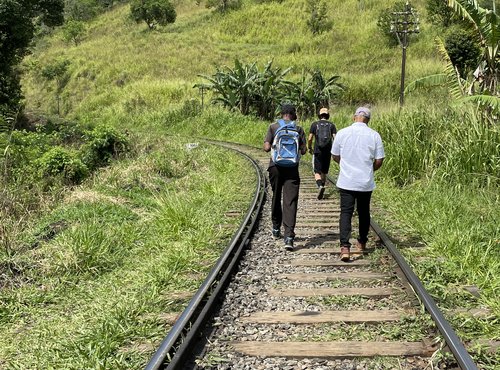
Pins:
x: 491, y: 101
x: 440, y: 79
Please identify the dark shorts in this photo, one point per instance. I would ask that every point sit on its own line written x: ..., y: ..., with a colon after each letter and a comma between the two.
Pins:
x: 322, y: 161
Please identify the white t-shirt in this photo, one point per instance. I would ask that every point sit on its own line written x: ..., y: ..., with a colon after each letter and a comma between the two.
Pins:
x: 358, y: 146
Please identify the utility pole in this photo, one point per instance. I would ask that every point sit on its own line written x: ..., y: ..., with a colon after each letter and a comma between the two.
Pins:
x: 403, y: 24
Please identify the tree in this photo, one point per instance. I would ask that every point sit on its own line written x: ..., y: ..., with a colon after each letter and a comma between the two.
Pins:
x: 17, y: 26
x: 463, y: 50
x: 73, y: 31
x: 318, y: 21
x: 57, y: 72
x: 153, y: 12
x: 439, y: 12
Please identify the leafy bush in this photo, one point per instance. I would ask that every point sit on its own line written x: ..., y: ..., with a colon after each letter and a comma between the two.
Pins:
x: 73, y: 31
x: 246, y: 89
x: 223, y: 5
x: 318, y: 21
x: 463, y: 49
x: 440, y: 13
x: 153, y: 12
x: 82, y: 10
x: 60, y: 161
x: 103, y: 144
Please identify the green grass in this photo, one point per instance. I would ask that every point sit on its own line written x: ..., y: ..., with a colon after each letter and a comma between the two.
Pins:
x: 148, y: 69
x: 88, y: 296
x: 93, y: 295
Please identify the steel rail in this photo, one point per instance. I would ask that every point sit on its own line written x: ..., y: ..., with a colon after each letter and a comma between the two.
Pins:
x: 199, y: 308
x: 452, y: 340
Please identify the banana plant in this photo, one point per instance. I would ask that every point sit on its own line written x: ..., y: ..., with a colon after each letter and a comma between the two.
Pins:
x: 312, y: 91
x: 487, y: 25
x: 481, y: 88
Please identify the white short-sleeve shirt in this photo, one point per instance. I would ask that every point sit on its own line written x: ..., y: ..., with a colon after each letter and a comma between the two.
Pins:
x: 358, y: 146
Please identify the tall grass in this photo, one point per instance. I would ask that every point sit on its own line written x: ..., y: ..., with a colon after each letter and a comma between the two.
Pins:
x: 201, y: 39
x: 94, y: 294
x: 451, y: 145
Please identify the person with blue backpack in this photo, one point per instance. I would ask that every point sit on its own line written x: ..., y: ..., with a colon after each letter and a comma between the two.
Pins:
x: 323, y: 132
x: 287, y: 143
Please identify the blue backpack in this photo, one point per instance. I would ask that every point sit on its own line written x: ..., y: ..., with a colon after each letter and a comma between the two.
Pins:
x: 285, y: 149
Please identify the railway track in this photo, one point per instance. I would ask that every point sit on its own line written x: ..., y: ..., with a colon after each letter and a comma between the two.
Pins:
x: 306, y: 309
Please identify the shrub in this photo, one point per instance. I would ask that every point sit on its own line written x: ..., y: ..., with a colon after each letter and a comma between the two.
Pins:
x: 153, y: 12
x: 439, y: 12
x: 103, y: 144
x: 223, y: 5
x: 59, y: 161
x: 463, y: 50
x: 318, y: 21
x: 73, y: 31
x: 82, y: 10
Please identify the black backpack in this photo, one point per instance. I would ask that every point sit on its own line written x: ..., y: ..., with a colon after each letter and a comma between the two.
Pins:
x: 323, y: 134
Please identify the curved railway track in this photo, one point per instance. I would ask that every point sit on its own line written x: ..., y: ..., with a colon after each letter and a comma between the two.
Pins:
x: 306, y: 309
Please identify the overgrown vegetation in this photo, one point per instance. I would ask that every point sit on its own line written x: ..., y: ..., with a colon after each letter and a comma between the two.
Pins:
x: 153, y: 12
x: 77, y: 225
x: 245, y: 89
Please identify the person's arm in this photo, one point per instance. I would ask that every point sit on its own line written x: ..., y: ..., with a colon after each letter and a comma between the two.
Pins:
x: 310, y: 143
x: 303, y: 145
x: 377, y: 163
x: 268, y: 140
x: 336, y: 149
x: 379, y: 153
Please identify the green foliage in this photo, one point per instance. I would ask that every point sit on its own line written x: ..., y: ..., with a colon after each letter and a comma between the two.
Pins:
x: 463, y: 50
x: 82, y: 10
x: 16, y: 32
x: 487, y: 27
x: 440, y: 13
x: 104, y: 143
x: 318, y: 21
x: 59, y: 161
x: 73, y: 31
x: 223, y: 6
x: 441, y: 145
x: 57, y: 71
x: 246, y: 89
x: 153, y: 12
x: 312, y: 92
x: 385, y: 19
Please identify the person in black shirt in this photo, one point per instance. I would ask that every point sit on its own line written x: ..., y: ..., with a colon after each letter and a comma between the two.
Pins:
x: 323, y: 132
x: 285, y: 181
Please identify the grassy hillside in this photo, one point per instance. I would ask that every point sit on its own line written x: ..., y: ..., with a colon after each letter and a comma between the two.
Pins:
x: 121, y: 65
x: 439, y: 182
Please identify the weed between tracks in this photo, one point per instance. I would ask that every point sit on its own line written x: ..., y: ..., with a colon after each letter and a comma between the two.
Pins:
x: 137, y: 239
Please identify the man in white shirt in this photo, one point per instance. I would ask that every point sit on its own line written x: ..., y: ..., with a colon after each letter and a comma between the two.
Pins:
x: 359, y: 151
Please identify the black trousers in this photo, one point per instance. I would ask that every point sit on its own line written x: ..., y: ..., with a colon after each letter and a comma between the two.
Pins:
x: 348, y: 199
x: 285, y: 182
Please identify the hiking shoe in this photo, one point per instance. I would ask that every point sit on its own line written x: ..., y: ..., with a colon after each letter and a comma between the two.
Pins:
x: 289, y: 243
x: 361, y: 246
x: 345, y: 254
x: 276, y: 233
x: 321, y: 192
